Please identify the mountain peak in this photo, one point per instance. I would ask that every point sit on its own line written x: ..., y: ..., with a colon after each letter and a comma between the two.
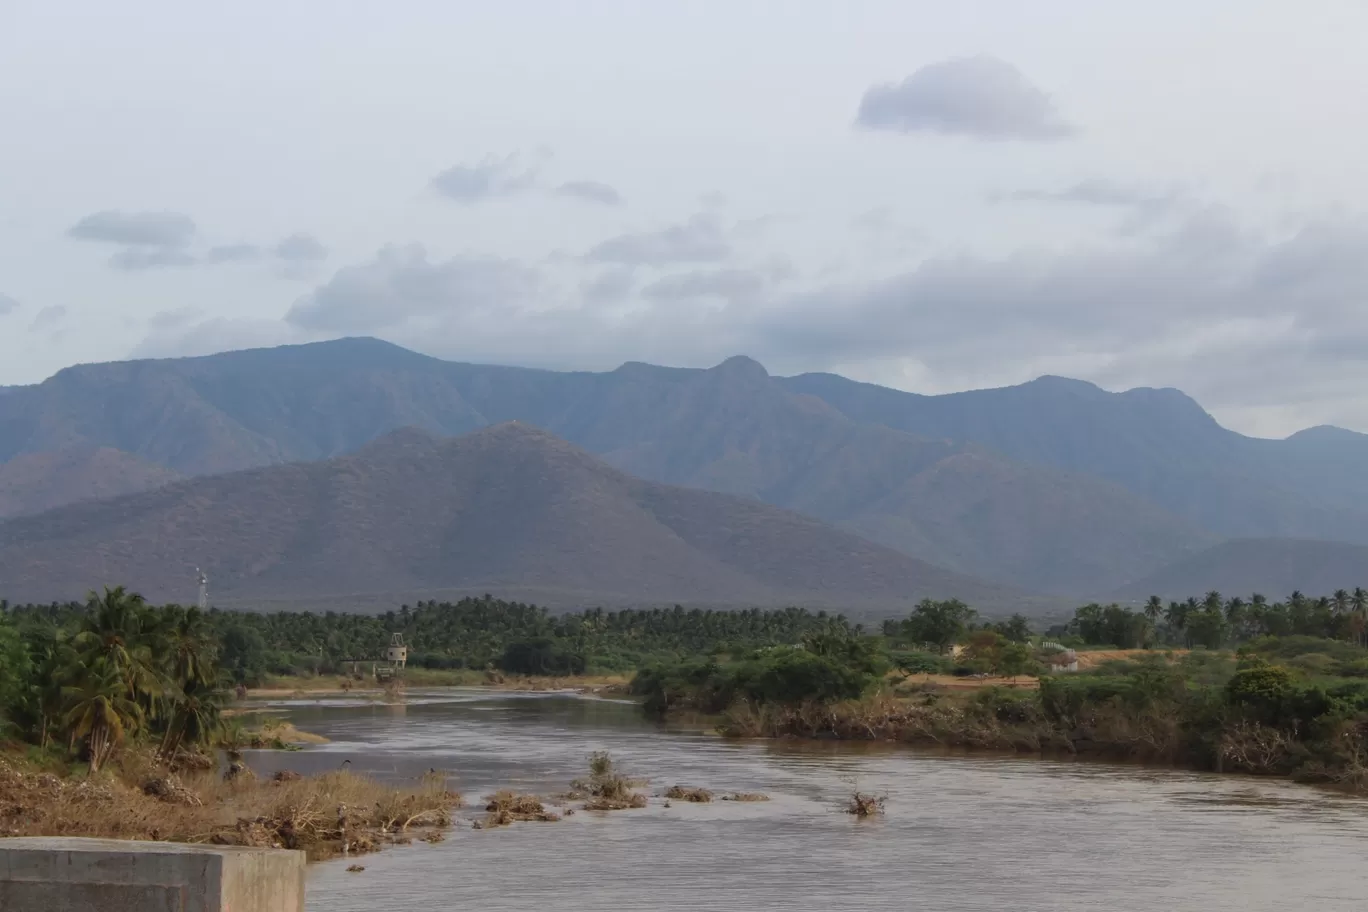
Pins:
x: 742, y: 366
x: 404, y: 438
x: 1327, y: 433
x: 1067, y: 384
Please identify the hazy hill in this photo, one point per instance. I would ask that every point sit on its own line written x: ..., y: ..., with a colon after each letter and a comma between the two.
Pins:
x: 731, y: 428
x: 509, y: 508
x: 34, y: 482
x: 1157, y: 443
x: 1272, y: 566
x: 1052, y: 485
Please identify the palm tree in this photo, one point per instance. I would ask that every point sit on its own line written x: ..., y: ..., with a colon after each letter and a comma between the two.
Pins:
x: 115, y: 632
x: 196, y: 718
x: 1177, y: 615
x: 100, y: 710
x: 1235, y: 613
x: 1359, y: 601
x: 190, y: 649
x: 1153, y: 608
x: 1341, y: 601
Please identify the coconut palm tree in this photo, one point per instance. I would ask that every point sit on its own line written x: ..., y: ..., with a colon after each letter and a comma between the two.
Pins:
x: 1341, y: 601
x: 1176, y: 616
x: 195, y: 718
x: 1154, y: 608
x: 116, y: 632
x: 1236, y: 613
x: 190, y: 649
x: 1359, y: 602
x: 101, y: 711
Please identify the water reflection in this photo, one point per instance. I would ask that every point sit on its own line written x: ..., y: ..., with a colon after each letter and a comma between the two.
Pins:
x: 961, y: 833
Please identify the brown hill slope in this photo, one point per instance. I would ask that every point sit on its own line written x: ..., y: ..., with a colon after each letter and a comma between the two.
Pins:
x: 509, y: 507
x: 34, y: 482
x: 1272, y: 566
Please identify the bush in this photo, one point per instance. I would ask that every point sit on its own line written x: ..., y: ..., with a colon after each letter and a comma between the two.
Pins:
x: 540, y: 656
x: 783, y: 675
x: 792, y: 676
x: 915, y: 663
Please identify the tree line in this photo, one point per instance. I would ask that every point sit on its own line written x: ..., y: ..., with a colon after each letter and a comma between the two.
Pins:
x: 90, y: 678
x: 1214, y: 620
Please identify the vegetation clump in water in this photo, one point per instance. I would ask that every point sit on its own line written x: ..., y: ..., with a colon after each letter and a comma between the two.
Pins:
x: 683, y: 793
x: 607, y: 789
x: 863, y: 805
x: 505, y: 807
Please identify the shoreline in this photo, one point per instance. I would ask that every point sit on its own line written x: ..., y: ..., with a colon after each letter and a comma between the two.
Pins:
x: 338, y: 686
x: 892, y: 721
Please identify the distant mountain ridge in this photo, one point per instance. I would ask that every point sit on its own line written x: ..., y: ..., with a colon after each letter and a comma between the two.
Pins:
x: 1054, y: 485
x: 1157, y: 443
x: 1274, y: 567
x: 506, y: 508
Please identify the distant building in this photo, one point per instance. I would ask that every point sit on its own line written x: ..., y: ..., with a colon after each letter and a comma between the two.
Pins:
x: 397, y: 653
x: 1063, y: 661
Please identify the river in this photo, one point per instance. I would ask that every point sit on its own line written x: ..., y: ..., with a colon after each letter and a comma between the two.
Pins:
x: 965, y: 832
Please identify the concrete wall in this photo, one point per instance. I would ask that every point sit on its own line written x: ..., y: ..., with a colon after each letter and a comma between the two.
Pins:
x: 111, y: 875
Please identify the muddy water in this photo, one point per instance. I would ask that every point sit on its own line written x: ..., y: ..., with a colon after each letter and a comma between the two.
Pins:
x: 961, y: 833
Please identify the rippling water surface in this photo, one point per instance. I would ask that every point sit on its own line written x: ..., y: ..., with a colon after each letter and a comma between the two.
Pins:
x: 961, y: 833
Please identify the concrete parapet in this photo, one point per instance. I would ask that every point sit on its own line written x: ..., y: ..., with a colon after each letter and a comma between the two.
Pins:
x: 111, y: 875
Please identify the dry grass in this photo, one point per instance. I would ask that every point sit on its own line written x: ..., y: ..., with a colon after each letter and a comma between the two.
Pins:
x: 634, y: 800
x: 746, y: 796
x: 136, y: 798
x: 686, y: 793
x: 270, y: 734
x: 506, y: 806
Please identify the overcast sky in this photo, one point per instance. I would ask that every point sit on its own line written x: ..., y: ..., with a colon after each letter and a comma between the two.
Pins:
x: 934, y: 196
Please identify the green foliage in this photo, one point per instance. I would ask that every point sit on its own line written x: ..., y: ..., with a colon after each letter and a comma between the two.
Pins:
x: 1114, y: 625
x: 915, y: 663
x: 939, y: 624
x: 16, y: 672
x: 1257, y: 683
x: 781, y: 675
x: 791, y: 676
x: 540, y: 656
x: 113, y: 670
x: 1015, y: 659
x: 1016, y: 629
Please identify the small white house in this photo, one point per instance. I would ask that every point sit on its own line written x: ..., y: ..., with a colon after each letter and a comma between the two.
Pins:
x: 1063, y: 661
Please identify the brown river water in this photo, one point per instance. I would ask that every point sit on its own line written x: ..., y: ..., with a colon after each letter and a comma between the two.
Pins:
x: 963, y: 832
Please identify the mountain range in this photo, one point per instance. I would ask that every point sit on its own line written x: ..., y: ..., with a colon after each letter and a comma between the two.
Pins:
x: 1054, y: 486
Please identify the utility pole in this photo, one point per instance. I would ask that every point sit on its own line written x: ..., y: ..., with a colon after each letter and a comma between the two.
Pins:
x: 203, y: 590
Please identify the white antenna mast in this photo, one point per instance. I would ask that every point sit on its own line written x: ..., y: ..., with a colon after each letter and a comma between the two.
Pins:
x: 203, y: 589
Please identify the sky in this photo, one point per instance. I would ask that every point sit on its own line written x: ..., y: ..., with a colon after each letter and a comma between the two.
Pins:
x: 926, y: 195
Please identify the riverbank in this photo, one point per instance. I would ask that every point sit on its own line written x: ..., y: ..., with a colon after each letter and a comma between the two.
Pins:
x: 283, y: 687
x: 1000, y: 722
x: 138, y: 798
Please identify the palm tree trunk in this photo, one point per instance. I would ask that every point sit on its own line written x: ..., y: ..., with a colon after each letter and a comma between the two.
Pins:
x: 99, y: 747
